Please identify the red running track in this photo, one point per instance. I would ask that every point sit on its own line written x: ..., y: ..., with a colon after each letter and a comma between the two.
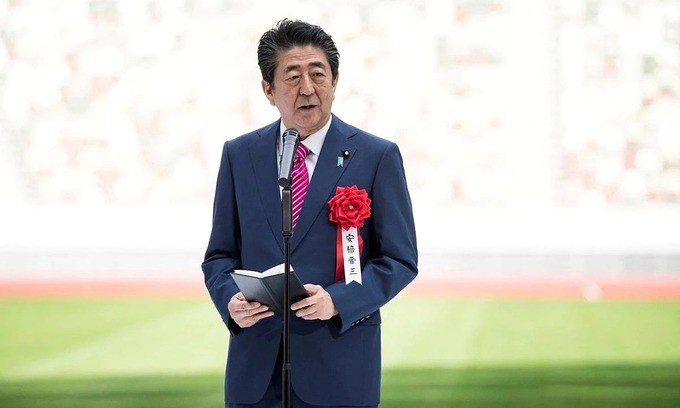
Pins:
x: 438, y: 286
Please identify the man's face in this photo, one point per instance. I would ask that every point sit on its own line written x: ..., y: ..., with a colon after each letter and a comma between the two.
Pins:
x: 303, y: 90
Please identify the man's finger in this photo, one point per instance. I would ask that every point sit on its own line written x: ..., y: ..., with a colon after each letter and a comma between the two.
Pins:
x: 253, y: 312
x: 303, y: 303
x: 247, y: 321
x: 249, y: 306
x: 307, y: 312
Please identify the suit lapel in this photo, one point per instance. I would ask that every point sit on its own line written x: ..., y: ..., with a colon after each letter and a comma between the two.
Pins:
x: 325, y: 177
x: 265, y: 167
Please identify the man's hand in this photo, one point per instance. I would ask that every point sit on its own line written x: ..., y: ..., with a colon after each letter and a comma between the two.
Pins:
x: 318, y: 305
x: 245, y: 313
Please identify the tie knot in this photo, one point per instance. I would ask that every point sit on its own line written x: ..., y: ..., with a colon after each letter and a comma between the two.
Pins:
x: 301, y: 152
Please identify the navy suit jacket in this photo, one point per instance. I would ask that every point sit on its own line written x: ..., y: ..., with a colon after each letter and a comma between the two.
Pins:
x: 337, y: 361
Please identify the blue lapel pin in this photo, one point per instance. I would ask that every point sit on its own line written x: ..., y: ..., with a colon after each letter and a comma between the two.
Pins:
x: 341, y: 159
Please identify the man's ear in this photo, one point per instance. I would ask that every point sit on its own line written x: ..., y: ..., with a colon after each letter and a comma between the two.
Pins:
x: 268, y: 92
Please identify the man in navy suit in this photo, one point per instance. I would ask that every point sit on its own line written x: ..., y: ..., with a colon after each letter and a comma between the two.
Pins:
x: 335, y: 332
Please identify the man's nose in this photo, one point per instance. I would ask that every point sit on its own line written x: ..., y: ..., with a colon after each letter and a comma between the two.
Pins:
x: 306, y: 85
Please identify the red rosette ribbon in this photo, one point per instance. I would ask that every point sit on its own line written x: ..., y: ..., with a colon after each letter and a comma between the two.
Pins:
x: 349, y: 207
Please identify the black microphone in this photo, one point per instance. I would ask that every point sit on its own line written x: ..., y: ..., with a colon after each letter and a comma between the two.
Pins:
x: 291, y: 139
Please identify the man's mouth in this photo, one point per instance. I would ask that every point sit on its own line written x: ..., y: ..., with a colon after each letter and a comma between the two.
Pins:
x: 307, y: 107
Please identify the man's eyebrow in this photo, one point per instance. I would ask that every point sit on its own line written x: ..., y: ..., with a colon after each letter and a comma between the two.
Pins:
x: 318, y: 64
x: 291, y: 68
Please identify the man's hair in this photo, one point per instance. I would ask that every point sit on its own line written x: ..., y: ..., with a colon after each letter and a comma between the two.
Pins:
x: 287, y: 34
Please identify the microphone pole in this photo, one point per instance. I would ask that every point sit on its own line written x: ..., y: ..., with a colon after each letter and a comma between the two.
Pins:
x: 291, y: 139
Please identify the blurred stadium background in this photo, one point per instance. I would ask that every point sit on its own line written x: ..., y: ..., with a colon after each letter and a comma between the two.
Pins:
x: 541, y: 142
x: 539, y: 136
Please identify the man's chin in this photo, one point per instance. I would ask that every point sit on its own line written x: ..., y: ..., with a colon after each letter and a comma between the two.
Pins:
x: 307, y: 122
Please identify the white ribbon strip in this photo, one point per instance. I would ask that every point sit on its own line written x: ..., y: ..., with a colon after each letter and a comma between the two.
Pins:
x: 350, y: 255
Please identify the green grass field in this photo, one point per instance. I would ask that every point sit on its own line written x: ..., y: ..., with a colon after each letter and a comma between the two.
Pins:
x: 166, y: 352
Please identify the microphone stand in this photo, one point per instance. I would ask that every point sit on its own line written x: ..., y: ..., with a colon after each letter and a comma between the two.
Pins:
x: 291, y: 139
x: 287, y: 208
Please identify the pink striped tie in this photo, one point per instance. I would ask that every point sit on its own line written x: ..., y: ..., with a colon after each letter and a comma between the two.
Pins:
x: 300, y: 181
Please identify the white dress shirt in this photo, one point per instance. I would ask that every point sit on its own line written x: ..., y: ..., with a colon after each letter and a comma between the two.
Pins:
x: 313, y: 142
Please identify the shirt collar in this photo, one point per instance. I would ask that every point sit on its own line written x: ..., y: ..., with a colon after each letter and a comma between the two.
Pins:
x: 313, y: 142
